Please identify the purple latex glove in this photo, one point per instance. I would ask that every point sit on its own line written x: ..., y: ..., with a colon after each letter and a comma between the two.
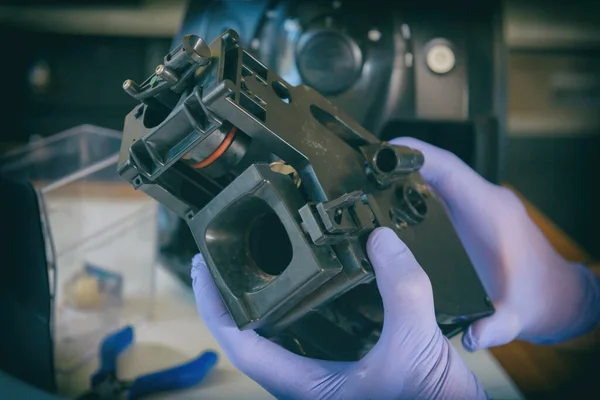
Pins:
x: 411, y: 360
x: 538, y: 295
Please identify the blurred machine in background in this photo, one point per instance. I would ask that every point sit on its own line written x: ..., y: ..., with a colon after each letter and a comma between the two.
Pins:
x: 62, y: 74
x: 435, y: 71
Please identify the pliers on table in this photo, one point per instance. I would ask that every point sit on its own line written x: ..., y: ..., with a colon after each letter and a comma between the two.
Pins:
x: 106, y: 385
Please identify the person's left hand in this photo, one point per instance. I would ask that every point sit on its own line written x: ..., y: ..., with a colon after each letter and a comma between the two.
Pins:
x: 411, y: 360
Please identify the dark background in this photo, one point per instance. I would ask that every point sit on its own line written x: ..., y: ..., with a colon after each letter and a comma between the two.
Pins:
x: 64, y: 61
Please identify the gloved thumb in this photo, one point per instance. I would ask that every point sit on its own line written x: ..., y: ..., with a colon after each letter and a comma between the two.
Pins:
x: 404, y: 287
x: 500, y: 328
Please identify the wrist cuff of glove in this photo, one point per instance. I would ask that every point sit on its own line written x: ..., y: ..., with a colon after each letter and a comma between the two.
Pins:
x: 588, y: 314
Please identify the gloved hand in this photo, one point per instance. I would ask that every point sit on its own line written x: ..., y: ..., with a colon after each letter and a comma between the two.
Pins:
x: 411, y: 360
x: 538, y: 295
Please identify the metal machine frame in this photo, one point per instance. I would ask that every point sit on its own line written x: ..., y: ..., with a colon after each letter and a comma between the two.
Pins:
x: 280, y: 190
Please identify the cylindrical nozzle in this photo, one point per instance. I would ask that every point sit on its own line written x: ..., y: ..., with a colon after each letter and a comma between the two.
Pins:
x: 397, y: 160
x: 131, y: 87
x: 193, y: 50
x: 167, y: 74
x: 409, y: 160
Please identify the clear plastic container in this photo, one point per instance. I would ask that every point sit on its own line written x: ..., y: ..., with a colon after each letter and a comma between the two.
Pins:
x: 100, y: 238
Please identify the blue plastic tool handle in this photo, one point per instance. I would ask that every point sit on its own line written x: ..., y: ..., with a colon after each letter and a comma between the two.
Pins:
x: 181, y: 377
x: 111, y: 347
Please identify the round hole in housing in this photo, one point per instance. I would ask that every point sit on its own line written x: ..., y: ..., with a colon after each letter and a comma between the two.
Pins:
x: 269, y: 244
x: 386, y: 160
x: 281, y: 91
x: 416, y: 200
x: 410, y: 205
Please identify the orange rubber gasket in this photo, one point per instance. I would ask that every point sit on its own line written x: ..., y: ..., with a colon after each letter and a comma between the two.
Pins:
x: 214, y: 156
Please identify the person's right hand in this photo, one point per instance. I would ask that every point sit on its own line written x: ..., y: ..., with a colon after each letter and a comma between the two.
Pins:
x: 538, y: 295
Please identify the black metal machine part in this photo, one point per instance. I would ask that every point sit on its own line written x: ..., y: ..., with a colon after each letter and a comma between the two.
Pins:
x: 280, y: 189
x: 321, y: 43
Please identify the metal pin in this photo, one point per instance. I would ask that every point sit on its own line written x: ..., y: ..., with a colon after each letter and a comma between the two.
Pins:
x: 131, y: 88
x: 166, y: 74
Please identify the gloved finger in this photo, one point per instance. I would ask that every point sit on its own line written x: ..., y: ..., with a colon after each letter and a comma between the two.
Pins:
x: 208, y: 301
x: 404, y: 286
x: 443, y: 170
x: 276, y: 369
x: 500, y: 328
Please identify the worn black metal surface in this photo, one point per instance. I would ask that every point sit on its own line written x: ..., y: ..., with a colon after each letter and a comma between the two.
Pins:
x: 213, y: 127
